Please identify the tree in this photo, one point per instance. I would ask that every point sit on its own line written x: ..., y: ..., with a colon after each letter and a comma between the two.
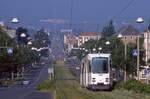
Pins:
x: 7, y: 61
x: 20, y: 57
x: 22, y: 40
x: 117, y: 50
x: 109, y: 30
x: 42, y: 40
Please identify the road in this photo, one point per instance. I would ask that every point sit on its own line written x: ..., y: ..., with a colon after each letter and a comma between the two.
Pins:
x: 28, y: 91
x: 57, y: 45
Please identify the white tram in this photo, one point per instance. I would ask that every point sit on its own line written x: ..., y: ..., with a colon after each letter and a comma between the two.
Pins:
x: 96, y: 72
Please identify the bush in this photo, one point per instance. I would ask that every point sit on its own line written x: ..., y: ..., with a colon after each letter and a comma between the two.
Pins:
x: 135, y: 86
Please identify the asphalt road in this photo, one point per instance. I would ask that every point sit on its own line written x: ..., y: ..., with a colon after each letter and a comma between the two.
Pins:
x: 57, y: 45
x: 28, y: 91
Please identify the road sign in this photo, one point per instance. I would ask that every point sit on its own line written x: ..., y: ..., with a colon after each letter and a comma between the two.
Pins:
x: 9, y: 50
x: 135, y: 52
x: 147, y: 72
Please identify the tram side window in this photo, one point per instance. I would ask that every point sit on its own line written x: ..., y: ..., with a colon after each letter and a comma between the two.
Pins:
x: 89, y: 67
x: 82, y: 67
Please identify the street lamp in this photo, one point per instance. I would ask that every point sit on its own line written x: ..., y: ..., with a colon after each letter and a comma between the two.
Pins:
x: 23, y: 35
x: 86, y: 50
x: 29, y: 43
x: 140, y: 20
x: 107, y: 43
x: 86, y: 40
x: 83, y: 49
x: 119, y: 36
x: 15, y: 20
x: 94, y: 49
x: 33, y: 48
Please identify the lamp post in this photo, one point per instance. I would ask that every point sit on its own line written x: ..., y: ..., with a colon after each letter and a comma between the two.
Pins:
x: 107, y: 44
x: 139, y: 20
x: 125, y: 56
x: 23, y: 35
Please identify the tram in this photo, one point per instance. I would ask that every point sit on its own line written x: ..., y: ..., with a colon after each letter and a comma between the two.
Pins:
x: 96, y: 72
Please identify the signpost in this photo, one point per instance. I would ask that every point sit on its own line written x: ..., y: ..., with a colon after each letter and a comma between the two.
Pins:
x: 10, y: 50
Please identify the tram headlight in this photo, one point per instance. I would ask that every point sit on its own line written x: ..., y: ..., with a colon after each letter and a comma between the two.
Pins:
x: 107, y: 80
x: 93, y: 80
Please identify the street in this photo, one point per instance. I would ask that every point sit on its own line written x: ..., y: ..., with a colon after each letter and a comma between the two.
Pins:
x: 28, y: 91
x: 36, y: 76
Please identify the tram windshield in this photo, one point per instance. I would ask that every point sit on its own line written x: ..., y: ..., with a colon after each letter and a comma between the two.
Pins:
x: 99, y: 65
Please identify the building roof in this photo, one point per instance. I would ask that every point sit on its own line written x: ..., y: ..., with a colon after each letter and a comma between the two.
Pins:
x: 128, y: 30
x: 11, y: 33
x: 71, y: 39
x: 89, y: 34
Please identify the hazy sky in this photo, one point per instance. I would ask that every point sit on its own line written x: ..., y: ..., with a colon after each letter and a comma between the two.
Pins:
x: 84, y: 11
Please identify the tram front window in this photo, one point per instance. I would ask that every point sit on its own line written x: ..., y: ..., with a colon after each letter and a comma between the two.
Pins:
x: 99, y: 65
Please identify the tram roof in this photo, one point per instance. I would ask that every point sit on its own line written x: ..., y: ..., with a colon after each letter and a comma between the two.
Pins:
x: 98, y: 55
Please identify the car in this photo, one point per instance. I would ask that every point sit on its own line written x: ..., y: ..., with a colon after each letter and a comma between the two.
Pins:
x: 26, y: 82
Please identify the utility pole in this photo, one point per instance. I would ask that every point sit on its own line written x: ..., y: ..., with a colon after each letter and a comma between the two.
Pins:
x: 139, y: 20
x: 138, y: 57
x: 125, y: 57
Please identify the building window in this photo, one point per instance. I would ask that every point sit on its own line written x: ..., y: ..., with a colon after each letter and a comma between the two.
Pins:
x: 125, y: 37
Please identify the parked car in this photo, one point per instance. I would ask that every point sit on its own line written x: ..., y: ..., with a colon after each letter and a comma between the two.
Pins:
x: 26, y: 82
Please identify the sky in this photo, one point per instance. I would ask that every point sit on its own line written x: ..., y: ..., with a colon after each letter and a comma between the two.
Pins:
x: 85, y: 13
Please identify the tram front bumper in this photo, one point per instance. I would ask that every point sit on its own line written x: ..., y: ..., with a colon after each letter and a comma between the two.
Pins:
x: 100, y: 87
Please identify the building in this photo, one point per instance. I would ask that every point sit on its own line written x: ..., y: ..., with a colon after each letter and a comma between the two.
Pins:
x: 11, y: 32
x: 71, y: 41
x: 128, y: 34
x: 144, y: 74
x: 147, y: 45
x: 86, y: 36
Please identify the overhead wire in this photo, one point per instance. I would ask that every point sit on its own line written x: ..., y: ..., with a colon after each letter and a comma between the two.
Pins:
x: 123, y: 9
